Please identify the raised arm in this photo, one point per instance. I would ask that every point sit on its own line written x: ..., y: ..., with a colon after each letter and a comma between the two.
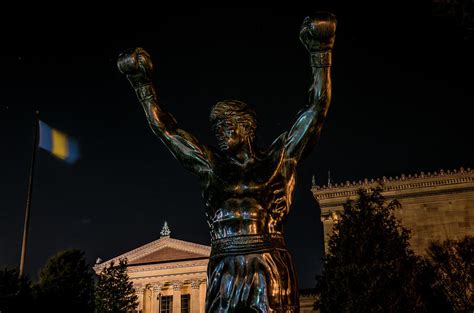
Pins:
x: 317, y: 34
x: 137, y: 66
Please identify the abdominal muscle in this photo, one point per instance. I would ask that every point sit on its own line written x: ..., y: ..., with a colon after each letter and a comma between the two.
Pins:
x: 237, y: 217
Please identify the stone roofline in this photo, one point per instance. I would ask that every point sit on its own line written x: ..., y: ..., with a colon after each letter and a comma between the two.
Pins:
x: 308, y: 292
x: 153, y: 246
x: 404, y: 183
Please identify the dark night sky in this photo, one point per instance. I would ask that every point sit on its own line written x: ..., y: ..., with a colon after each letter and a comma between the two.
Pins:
x: 402, y: 97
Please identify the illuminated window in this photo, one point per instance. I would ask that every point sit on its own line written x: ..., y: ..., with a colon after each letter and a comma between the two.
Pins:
x: 185, y: 304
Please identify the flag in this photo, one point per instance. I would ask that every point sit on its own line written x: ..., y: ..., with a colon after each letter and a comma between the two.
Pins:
x: 58, y: 143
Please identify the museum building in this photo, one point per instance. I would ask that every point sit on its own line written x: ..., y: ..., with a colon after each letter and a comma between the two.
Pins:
x: 434, y: 206
x: 169, y: 276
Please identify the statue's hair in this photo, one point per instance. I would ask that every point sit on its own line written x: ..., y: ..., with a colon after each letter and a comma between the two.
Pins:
x: 234, y: 109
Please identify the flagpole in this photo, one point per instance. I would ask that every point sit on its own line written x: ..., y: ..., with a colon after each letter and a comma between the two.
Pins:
x: 28, y: 196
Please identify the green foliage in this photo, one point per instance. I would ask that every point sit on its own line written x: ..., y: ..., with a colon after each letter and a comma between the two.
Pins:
x: 114, y: 291
x: 66, y: 284
x: 453, y: 264
x: 15, y: 291
x: 369, y: 266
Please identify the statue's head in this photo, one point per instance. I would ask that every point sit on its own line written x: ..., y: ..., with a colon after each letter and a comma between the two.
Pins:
x: 234, y: 124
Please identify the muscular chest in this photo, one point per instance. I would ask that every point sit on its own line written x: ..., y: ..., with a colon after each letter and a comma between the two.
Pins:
x: 255, y: 179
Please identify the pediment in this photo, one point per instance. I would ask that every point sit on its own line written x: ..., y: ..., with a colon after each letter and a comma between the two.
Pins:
x: 167, y: 254
x: 165, y: 249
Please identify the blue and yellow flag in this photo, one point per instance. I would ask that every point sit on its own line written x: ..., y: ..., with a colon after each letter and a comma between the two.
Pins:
x: 58, y: 143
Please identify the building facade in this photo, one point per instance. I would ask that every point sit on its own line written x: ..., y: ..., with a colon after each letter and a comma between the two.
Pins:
x: 435, y: 206
x: 169, y: 276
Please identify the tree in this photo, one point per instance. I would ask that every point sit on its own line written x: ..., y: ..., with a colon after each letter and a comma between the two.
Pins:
x: 453, y: 264
x: 15, y: 291
x: 114, y: 291
x: 66, y: 284
x: 369, y: 266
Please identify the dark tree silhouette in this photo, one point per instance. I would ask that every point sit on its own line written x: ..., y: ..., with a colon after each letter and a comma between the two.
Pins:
x: 15, y: 291
x: 453, y: 264
x: 114, y: 291
x: 369, y: 266
x: 65, y: 284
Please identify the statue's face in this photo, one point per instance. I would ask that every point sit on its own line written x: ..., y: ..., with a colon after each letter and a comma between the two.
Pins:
x: 230, y: 134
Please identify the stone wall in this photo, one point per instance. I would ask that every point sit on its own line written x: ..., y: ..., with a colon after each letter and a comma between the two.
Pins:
x: 435, y: 206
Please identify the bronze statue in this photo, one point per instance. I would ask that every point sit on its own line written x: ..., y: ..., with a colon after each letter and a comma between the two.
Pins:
x: 248, y: 191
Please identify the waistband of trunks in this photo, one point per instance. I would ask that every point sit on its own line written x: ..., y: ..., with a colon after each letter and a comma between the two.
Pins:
x: 247, y: 244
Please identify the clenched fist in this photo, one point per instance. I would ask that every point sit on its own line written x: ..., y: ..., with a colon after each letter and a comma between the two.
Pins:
x: 136, y: 64
x: 318, y: 32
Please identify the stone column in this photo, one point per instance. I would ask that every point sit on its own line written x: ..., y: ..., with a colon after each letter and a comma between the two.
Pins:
x: 177, y: 296
x: 202, y: 295
x: 147, y: 300
x: 329, y: 220
x: 156, y: 289
x: 195, y: 301
x: 140, y: 291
